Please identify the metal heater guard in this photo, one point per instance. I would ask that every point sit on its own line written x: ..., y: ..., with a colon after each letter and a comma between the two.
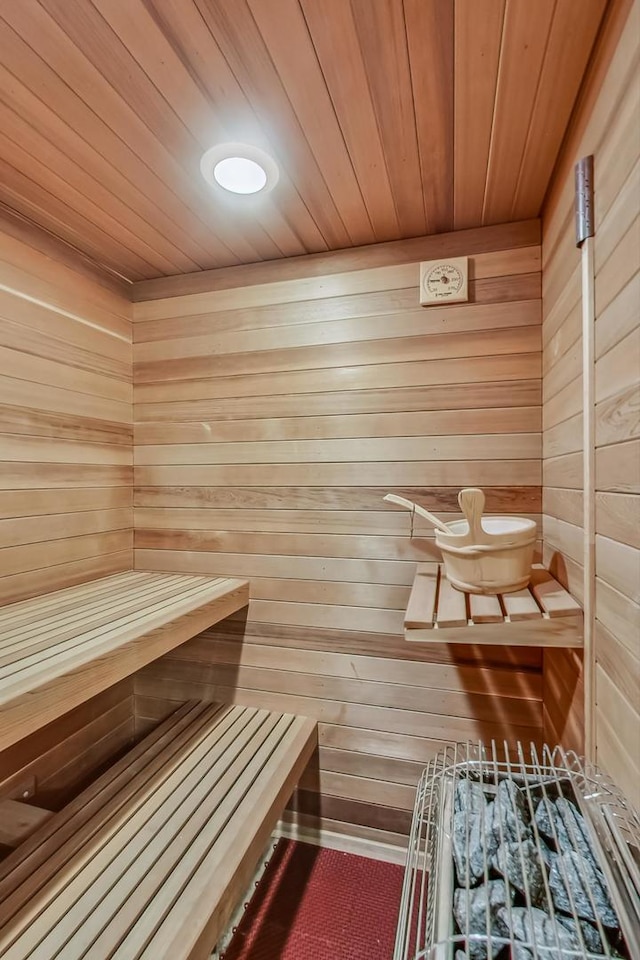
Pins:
x: 426, y: 927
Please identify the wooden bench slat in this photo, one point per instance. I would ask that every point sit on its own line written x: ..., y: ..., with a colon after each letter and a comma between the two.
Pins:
x: 83, y: 892
x: 91, y: 644
x: 521, y: 605
x: 29, y: 641
x: 219, y: 873
x: 452, y: 607
x: 485, y: 608
x: 160, y: 850
x: 195, y: 816
x: 552, y: 597
x: 542, y: 615
x: 80, y: 819
x: 25, y: 611
x: 113, y: 598
x: 422, y: 600
x: 48, y: 679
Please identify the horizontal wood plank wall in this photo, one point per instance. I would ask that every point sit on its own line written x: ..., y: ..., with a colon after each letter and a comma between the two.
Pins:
x: 607, y: 127
x: 271, y: 419
x: 66, y: 754
x: 65, y: 421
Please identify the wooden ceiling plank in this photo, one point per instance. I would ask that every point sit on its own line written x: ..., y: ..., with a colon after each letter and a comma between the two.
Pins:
x: 334, y: 35
x: 156, y: 55
x: 478, y: 32
x: 41, y: 160
x: 563, y: 68
x: 47, y: 127
x: 28, y: 197
x: 118, y: 79
x: 235, y: 55
x: 301, y: 221
x: 306, y: 90
x: 433, y: 97
x: 119, y: 142
x: 383, y: 41
x: 522, y: 53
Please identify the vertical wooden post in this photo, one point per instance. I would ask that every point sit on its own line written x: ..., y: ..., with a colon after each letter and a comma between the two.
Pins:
x: 585, y: 239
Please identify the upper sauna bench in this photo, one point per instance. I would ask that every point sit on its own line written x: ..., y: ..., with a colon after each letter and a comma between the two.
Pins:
x: 60, y: 649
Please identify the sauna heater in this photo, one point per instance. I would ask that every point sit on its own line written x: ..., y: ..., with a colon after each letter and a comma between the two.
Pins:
x: 519, y: 854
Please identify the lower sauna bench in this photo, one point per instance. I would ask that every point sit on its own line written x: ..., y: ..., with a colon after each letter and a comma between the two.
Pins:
x: 150, y: 859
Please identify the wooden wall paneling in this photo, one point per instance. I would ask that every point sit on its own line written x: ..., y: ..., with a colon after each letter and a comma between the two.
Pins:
x: 64, y: 754
x: 271, y: 419
x: 605, y: 125
x: 515, y: 242
x: 65, y: 423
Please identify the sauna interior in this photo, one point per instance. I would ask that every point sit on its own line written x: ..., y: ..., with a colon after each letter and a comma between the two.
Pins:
x: 206, y: 395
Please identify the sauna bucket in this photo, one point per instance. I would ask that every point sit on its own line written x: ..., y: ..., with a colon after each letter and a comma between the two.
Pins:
x: 487, y: 554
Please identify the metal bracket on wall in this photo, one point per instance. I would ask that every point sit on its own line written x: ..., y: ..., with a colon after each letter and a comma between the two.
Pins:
x: 584, y: 200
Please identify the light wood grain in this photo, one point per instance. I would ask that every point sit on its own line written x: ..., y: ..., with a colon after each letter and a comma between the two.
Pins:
x: 61, y: 662
x: 182, y: 782
x: 607, y: 473
x: 274, y: 413
x: 65, y: 420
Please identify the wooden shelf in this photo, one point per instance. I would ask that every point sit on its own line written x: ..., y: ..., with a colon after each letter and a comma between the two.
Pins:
x: 544, y: 615
x: 62, y: 648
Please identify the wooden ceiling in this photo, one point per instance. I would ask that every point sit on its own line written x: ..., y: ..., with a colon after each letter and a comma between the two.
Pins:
x: 388, y: 119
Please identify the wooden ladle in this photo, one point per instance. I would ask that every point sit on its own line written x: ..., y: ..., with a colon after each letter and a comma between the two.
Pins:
x: 415, y: 507
x: 472, y: 503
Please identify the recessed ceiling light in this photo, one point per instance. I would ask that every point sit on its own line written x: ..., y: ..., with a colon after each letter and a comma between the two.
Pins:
x: 240, y: 175
x: 239, y: 168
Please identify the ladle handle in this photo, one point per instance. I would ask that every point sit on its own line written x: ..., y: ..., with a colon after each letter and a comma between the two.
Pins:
x: 410, y: 505
x: 472, y: 502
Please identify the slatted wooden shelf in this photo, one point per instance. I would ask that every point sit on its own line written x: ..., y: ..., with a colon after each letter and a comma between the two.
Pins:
x: 150, y: 860
x: 60, y: 649
x: 544, y: 615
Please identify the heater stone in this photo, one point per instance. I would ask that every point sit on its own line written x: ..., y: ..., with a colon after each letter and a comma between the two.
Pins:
x: 475, y: 910
x: 520, y: 864
x: 530, y: 925
x: 511, y: 812
x: 587, y: 889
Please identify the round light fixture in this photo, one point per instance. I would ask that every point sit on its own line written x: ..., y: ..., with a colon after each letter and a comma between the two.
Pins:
x: 239, y: 168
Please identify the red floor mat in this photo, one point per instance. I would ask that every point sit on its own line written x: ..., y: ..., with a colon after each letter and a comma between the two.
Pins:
x: 316, y: 904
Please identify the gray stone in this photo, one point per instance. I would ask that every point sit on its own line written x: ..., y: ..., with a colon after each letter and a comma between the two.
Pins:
x: 520, y: 864
x: 590, y: 935
x: 511, y: 813
x: 570, y: 831
x: 479, y: 909
x: 469, y: 796
x: 534, y: 927
x: 585, y: 883
x: 474, y: 842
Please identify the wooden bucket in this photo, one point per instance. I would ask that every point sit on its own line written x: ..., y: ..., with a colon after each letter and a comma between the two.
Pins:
x: 487, y: 554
